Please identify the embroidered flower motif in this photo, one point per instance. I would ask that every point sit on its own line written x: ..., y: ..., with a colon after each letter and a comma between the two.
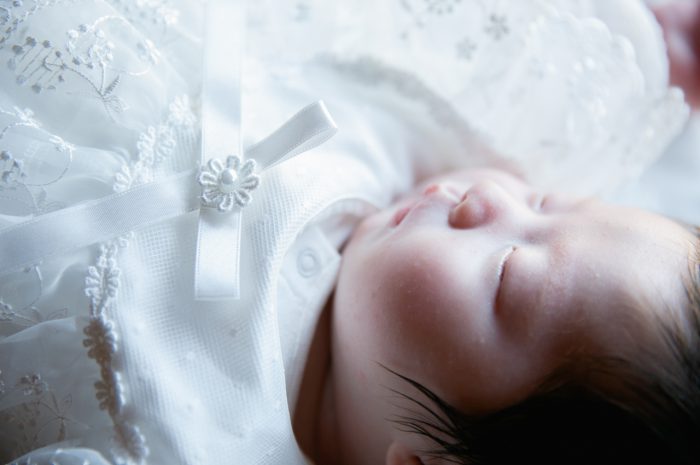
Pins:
x: 109, y: 392
x: 5, y: 16
x: 465, y: 49
x: 156, y: 144
x: 441, y: 7
x: 149, y: 13
x: 32, y: 384
x: 497, y: 27
x: 123, y: 241
x: 224, y: 186
x: 89, y: 46
x: 302, y: 12
x: 61, y: 145
x: 101, y: 339
x: 102, y: 282
x: 11, y: 171
x: 132, y: 440
x: 166, y: 15
x: 180, y: 112
x: 6, y: 312
x: 148, y: 52
x: 86, y: 55
x: 123, y: 179
x: 26, y: 117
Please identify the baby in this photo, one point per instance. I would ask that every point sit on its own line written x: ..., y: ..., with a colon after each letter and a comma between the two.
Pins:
x: 480, y: 321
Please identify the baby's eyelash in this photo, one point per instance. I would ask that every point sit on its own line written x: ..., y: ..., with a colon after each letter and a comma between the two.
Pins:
x: 429, y: 416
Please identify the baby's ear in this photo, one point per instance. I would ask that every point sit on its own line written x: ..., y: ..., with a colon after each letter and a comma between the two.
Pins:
x: 399, y: 454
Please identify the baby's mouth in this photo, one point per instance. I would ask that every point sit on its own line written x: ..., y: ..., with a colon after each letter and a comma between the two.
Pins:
x: 400, y: 215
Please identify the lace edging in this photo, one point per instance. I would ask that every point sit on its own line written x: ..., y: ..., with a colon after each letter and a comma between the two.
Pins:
x: 101, y: 286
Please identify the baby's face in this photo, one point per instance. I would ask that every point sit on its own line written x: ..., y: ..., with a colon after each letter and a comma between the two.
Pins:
x: 477, y: 286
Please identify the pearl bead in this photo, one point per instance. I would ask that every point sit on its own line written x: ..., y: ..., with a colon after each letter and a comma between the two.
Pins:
x: 228, y: 180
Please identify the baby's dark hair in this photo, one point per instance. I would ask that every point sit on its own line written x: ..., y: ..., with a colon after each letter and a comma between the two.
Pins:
x: 651, y: 416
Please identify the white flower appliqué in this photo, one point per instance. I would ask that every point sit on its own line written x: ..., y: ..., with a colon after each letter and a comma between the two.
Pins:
x: 227, y: 185
x: 224, y: 186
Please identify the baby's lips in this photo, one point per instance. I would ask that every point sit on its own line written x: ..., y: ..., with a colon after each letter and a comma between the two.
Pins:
x: 400, y: 215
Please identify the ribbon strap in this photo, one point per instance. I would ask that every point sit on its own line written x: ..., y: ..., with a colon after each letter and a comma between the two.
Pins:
x: 221, y: 133
x: 65, y: 230
x: 228, y: 187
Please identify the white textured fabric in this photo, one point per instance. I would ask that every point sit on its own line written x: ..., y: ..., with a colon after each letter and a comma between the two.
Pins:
x: 105, y: 355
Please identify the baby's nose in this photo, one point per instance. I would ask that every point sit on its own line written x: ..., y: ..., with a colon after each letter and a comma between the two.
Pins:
x: 484, y: 203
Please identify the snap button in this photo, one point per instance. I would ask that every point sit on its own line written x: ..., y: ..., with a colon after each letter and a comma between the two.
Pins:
x: 308, y: 263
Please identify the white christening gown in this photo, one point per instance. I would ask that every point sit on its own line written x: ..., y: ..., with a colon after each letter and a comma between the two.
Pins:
x: 107, y: 352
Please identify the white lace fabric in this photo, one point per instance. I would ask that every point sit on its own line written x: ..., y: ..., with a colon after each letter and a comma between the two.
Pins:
x: 95, y: 100
x: 105, y: 356
x: 592, y: 119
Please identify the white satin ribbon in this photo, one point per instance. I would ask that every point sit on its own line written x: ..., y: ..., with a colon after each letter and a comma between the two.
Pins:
x: 61, y: 231
x: 221, y: 128
x: 217, y: 269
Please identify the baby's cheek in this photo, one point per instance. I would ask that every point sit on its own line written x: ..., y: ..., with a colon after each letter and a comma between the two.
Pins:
x: 381, y: 300
x: 421, y: 309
